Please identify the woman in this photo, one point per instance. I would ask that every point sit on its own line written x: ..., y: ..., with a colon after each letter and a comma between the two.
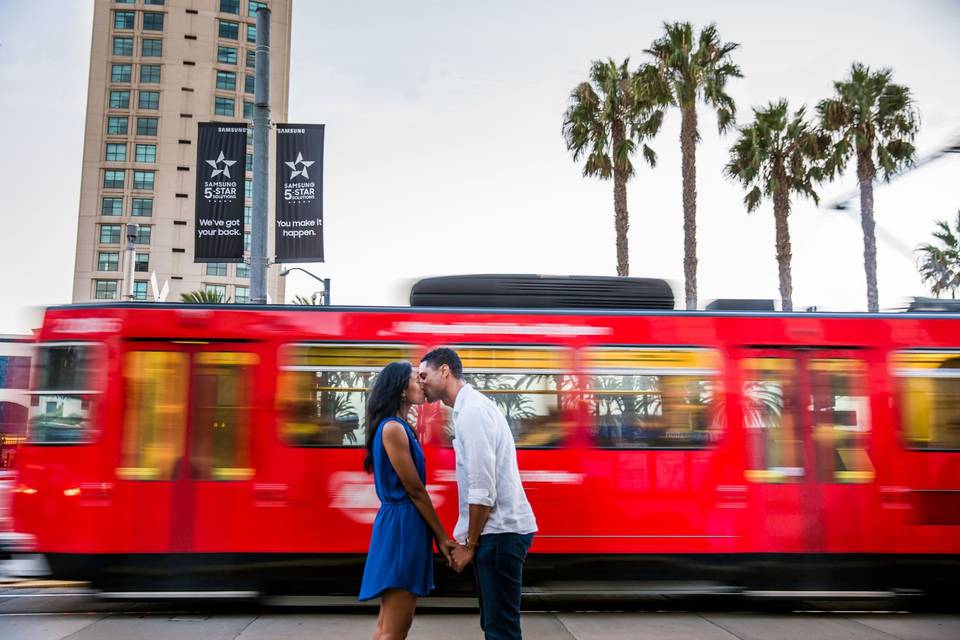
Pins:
x: 399, y: 565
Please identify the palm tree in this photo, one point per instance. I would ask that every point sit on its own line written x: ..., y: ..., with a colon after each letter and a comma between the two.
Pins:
x: 777, y: 155
x: 304, y: 301
x: 202, y: 296
x: 690, y: 72
x: 874, y: 121
x: 940, y: 265
x: 606, y: 120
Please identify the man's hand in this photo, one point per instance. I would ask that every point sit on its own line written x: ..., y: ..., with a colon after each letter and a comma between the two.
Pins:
x: 461, y: 556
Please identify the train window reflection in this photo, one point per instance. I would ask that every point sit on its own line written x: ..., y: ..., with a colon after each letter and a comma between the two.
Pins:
x: 929, y: 385
x: 63, y: 394
x: 659, y: 398
x: 220, y: 424
x: 839, y: 409
x: 771, y: 417
x: 155, y: 418
x: 532, y: 387
x: 322, y: 391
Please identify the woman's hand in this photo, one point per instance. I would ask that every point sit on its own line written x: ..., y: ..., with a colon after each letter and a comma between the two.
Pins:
x: 445, y: 545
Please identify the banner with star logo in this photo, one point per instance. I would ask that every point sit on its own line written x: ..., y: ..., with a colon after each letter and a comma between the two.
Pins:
x: 299, y: 219
x: 221, y: 173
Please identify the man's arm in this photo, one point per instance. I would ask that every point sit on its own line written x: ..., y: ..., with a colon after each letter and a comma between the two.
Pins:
x: 480, y: 461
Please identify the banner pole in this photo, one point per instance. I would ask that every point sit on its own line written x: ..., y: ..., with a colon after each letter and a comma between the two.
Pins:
x: 261, y: 159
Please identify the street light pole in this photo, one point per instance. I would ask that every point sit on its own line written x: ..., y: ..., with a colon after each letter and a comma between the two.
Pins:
x: 261, y: 160
x: 130, y: 255
x: 325, y: 281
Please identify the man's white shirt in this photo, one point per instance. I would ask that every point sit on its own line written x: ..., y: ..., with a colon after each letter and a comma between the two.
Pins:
x: 487, y: 472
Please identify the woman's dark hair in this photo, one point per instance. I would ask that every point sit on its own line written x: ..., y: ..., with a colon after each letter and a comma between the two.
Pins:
x: 383, y: 401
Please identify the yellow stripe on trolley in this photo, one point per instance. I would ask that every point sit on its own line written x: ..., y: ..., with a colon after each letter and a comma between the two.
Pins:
x: 227, y: 358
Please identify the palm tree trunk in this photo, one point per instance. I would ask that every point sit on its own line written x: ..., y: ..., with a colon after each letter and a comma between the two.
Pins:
x: 865, y: 176
x: 688, y: 142
x: 781, y: 210
x: 621, y: 218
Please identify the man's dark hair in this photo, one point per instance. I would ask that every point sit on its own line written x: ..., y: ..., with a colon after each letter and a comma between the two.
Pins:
x: 447, y: 356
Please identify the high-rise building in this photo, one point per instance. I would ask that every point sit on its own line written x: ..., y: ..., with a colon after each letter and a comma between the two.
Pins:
x: 157, y: 68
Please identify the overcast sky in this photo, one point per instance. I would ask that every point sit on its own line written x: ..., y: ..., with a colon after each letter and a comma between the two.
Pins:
x: 444, y: 149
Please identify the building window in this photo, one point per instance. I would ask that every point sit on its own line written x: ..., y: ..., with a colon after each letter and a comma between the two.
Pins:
x: 124, y: 1
x: 145, y: 153
x: 216, y: 268
x: 117, y: 126
x: 149, y: 100
x: 247, y: 216
x: 116, y: 152
x: 249, y: 83
x: 248, y: 115
x: 105, y: 289
x: 143, y: 180
x: 143, y: 234
x: 142, y: 207
x: 251, y: 33
x: 153, y: 22
x: 120, y: 99
x: 251, y: 59
x: 249, y: 155
x: 108, y: 261
x: 146, y: 126
x: 123, y: 19
x: 248, y: 188
x: 155, y: 2
x: 122, y: 46
x: 226, y: 55
x: 241, y: 294
x: 113, y: 179
x: 226, y: 80
x: 253, y: 5
x: 140, y: 290
x: 223, y: 106
x: 246, y: 242
x: 150, y: 73
x: 142, y: 263
x: 229, y: 30
x: 121, y: 72
x: 218, y: 290
x: 109, y: 234
x: 230, y: 6
x: 243, y: 270
x: 111, y: 207
x: 151, y: 48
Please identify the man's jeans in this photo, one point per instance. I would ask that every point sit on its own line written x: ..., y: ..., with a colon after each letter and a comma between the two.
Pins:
x: 498, y: 566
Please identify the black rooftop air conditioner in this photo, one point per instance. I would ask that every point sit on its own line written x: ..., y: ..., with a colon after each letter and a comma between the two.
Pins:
x: 542, y: 292
x: 741, y: 304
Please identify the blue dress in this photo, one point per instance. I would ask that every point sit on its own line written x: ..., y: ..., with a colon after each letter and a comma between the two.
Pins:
x: 401, y: 545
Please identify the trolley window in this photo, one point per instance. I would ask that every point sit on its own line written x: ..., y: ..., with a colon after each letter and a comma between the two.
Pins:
x: 653, y: 398
x: 65, y: 383
x: 772, y: 417
x: 929, y: 393
x: 156, y: 414
x: 534, y: 388
x: 323, y: 388
x: 220, y: 429
x: 840, y: 410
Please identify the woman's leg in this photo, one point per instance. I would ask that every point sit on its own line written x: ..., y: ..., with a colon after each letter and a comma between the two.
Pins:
x: 396, y: 611
x: 379, y: 629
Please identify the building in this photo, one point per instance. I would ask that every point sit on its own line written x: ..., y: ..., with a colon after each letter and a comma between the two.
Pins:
x: 157, y: 68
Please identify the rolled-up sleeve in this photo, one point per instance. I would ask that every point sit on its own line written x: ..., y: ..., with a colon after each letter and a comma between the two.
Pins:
x: 480, y: 458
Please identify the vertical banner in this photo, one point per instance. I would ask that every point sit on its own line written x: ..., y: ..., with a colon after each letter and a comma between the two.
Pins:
x: 299, y: 234
x: 221, y: 172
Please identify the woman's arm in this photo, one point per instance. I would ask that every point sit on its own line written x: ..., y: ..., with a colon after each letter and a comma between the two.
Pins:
x: 397, y: 445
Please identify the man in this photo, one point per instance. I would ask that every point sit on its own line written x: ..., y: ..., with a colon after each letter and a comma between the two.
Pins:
x: 496, y: 524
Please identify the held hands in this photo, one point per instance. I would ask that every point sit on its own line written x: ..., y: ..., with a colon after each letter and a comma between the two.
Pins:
x: 460, y: 556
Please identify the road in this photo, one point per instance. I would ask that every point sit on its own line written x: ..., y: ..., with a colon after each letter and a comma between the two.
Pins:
x: 52, y: 611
